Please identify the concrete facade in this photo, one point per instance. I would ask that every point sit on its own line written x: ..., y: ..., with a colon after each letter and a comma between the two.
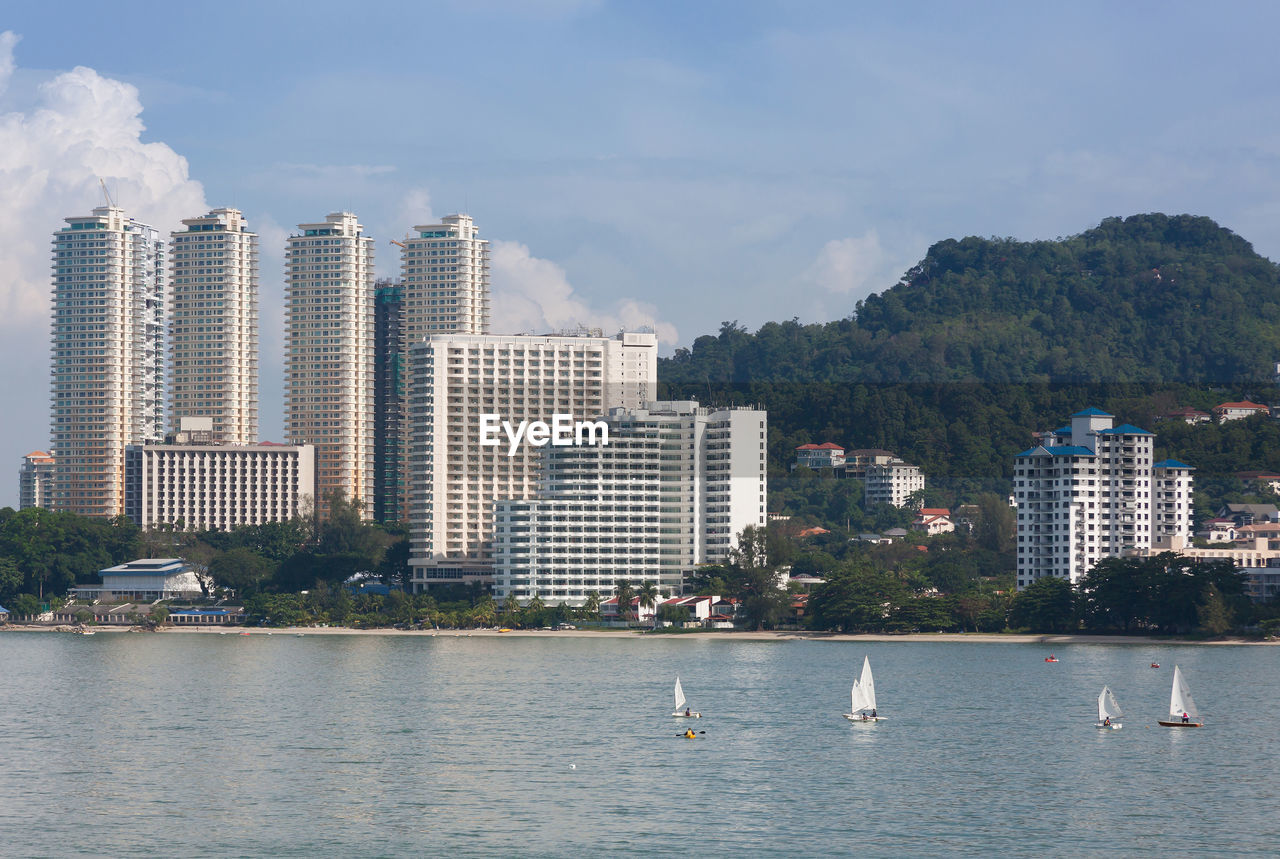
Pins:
x: 108, y: 361
x: 213, y: 335
x: 329, y: 354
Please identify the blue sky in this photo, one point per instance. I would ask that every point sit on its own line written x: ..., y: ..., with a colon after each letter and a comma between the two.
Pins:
x: 676, y: 163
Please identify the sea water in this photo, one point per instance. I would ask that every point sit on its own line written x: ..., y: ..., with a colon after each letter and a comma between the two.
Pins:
x: 206, y: 745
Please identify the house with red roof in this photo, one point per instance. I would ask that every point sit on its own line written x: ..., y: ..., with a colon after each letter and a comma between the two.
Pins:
x: 825, y: 455
x: 1237, y: 411
x: 933, y: 520
x: 1187, y: 414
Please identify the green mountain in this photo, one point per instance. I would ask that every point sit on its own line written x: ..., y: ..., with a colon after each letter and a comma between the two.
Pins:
x: 986, y: 340
x: 1149, y: 298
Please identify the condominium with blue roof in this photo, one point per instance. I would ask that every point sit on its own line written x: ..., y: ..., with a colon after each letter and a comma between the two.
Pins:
x: 1092, y: 490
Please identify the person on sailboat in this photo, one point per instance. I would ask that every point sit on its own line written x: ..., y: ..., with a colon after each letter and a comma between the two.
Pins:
x: 1106, y: 722
x: 873, y: 714
x: 1185, y: 718
x: 688, y: 712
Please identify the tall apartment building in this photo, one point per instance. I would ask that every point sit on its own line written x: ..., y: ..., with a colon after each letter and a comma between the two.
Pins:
x: 329, y: 342
x: 892, y: 482
x: 194, y: 482
x: 35, y: 480
x: 1089, y: 491
x: 108, y: 332
x: 673, y: 488
x: 213, y: 333
x: 445, y: 269
x: 454, y: 379
x: 389, y: 425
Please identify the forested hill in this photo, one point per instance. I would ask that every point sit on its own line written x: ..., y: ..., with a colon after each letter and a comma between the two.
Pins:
x: 1145, y: 299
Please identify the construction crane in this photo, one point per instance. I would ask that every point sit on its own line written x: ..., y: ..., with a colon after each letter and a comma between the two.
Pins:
x: 105, y: 192
x: 402, y: 245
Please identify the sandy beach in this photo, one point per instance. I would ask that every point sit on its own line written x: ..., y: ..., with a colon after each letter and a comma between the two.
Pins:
x: 700, y: 635
x: 734, y: 635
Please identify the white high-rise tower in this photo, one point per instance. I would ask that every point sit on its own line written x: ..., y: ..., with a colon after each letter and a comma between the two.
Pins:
x: 108, y: 329
x: 214, y: 325
x: 445, y: 268
x: 329, y: 345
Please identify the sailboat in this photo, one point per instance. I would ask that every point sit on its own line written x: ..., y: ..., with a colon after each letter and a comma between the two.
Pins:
x: 1182, y: 709
x: 1108, y: 711
x: 682, y: 708
x: 863, y: 705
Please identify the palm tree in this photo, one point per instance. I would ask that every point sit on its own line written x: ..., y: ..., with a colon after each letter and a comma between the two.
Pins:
x: 591, y: 608
x: 624, y: 594
x: 649, y: 597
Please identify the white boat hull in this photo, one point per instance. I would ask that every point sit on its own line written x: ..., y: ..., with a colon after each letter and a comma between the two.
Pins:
x: 859, y: 719
x: 1114, y: 726
x: 687, y: 715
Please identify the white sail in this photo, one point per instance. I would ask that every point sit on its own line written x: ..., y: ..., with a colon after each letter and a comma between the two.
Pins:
x: 679, y: 696
x: 1180, y: 700
x: 1107, y: 706
x: 867, y: 685
x: 856, y: 703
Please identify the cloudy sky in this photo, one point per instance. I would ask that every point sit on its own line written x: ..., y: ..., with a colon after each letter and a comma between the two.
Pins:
x: 663, y: 163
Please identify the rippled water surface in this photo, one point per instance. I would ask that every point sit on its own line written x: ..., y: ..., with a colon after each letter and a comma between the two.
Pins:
x: 370, y: 745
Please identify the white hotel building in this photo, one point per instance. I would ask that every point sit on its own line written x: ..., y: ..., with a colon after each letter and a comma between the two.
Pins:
x: 1089, y: 491
x: 213, y: 333
x: 196, y: 484
x: 108, y: 333
x: 673, y: 488
x: 329, y: 343
x: 454, y: 379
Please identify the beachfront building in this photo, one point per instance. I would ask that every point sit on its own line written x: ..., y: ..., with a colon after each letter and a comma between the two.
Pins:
x: 390, y: 430
x: 329, y: 354
x: 454, y: 380
x: 190, y: 482
x: 108, y: 356
x: 35, y: 480
x: 144, y: 579
x: 674, y: 488
x: 213, y: 330
x: 892, y: 482
x: 445, y: 271
x: 1089, y: 491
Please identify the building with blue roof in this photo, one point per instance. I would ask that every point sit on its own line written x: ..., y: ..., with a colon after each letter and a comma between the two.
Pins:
x: 1091, y: 490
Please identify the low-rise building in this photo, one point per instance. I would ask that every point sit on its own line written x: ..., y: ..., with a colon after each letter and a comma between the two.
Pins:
x: 934, y: 520
x: 221, y: 616
x: 1238, y: 411
x: 1267, y: 481
x: 1188, y: 415
x: 825, y: 455
x: 147, y: 579
x: 856, y: 462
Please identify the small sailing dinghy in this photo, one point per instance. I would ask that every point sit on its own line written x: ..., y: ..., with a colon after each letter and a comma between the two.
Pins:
x: 863, y: 704
x: 682, y: 707
x: 1108, y: 711
x: 1182, y: 709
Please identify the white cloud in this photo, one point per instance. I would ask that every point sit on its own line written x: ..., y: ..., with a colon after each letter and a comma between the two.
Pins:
x: 415, y: 208
x: 532, y: 295
x: 854, y: 265
x: 83, y: 128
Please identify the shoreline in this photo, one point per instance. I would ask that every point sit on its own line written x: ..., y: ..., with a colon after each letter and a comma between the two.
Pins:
x: 699, y: 635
